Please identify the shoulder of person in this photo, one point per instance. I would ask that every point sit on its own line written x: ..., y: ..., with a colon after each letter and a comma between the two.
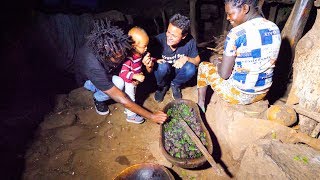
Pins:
x: 188, y: 40
x: 128, y: 60
x: 161, y: 37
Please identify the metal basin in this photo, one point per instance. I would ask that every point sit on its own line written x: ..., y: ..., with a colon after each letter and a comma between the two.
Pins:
x: 145, y: 171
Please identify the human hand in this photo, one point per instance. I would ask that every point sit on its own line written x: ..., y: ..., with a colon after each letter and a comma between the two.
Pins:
x: 180, y: 62
x: 139, y: 77
x: 160, y: 61
x: 159, y: 117
x: 215, y: 60
x: 135, y: 82
x: 147, y: 60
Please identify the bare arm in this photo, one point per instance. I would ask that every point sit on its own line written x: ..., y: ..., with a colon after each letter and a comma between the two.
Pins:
x: 120, y: 97
x: 195, y: 60
x: 225, y: 66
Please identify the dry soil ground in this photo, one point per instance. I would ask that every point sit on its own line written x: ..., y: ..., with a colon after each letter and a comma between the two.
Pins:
x: 73, y: 142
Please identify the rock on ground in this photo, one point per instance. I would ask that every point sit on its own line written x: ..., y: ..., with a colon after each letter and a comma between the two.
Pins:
x: 271, y: 159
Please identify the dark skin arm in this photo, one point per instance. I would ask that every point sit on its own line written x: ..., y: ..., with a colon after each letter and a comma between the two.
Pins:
x: 225, y: 66
x: 120, y: 97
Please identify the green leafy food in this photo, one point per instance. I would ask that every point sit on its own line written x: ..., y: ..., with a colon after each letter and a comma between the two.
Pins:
x: 177, y: 141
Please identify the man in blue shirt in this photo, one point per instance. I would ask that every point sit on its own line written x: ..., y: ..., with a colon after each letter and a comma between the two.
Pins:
x: 179, y: 55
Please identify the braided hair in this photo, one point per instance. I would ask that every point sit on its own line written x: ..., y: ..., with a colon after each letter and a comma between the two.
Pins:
x: 239, y: 3
x: 108, y: 41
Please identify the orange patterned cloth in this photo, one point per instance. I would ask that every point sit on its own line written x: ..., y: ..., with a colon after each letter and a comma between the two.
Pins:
x: 208, y: 75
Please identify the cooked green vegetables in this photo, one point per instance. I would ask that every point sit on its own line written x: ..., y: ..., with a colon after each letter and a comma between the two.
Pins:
x: 176, y: 141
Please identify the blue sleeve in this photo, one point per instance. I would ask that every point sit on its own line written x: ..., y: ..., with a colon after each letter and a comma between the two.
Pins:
x: 193, y: 51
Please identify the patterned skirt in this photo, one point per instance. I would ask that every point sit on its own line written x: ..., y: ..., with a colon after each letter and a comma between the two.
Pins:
x: 208, y: 75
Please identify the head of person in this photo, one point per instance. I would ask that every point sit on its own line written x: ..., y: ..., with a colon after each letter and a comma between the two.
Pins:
x: 178, y: 29
x: 108, y: 42
x: 140, y: 40
x: 239, y: 11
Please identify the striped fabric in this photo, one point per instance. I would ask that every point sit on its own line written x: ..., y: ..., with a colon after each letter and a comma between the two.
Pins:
x: 130, y: 67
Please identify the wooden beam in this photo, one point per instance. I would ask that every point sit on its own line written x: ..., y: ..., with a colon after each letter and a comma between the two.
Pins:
x: 281, y: 1
x: 193, y: 19
x: 313, y: 115
x: 202, y: 148
x: 296, y: 22
x: 273, y: 13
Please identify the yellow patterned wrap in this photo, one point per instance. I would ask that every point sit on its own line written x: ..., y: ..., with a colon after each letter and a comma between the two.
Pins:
x: 208, y: 75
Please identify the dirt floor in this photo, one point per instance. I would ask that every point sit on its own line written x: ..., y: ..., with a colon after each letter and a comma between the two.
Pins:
x: 73, y: 142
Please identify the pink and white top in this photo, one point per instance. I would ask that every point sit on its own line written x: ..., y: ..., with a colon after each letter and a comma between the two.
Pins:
x: 133, y: 65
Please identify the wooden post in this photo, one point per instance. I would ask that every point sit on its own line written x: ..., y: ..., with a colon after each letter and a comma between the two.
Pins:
x: 164, y: 20
x: 273, y: 13
x: 193, y: 19
x: 201, y: 147
x: 296, y: 22
x: 313, y: 115
x: 260, y: 4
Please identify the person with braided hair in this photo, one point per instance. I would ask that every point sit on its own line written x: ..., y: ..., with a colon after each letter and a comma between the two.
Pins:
x: 244, y: 75
x: 98, y: 63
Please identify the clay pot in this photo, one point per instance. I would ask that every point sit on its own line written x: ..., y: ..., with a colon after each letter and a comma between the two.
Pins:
x: 186, y: 162
x: 282, y: 114
x: 145, y: 171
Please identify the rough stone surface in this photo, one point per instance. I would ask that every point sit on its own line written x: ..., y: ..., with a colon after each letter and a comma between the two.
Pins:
x: 80, y: 97
x: 270, y: 159
x: 306, y: 83
x: 246, y: 131
x: 69, y: 133
x: 58, y: 120
x: 305, y: 89
x: 60, y: 103
x: 221, y: 114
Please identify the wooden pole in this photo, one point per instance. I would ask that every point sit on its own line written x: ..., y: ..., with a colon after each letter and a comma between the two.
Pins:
x: 316, y: 131
x: 306, y: 139
x: 201, y: 147
x: 273, y: 13
x: 296, y: 22
x: 193, y: 19
x: 281, y: 1
x: 313, y: 115
x: 164, y: 20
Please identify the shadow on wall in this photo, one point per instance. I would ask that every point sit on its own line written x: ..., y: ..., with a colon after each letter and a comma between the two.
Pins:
x: 282, y: 72
x: 30, y: 80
